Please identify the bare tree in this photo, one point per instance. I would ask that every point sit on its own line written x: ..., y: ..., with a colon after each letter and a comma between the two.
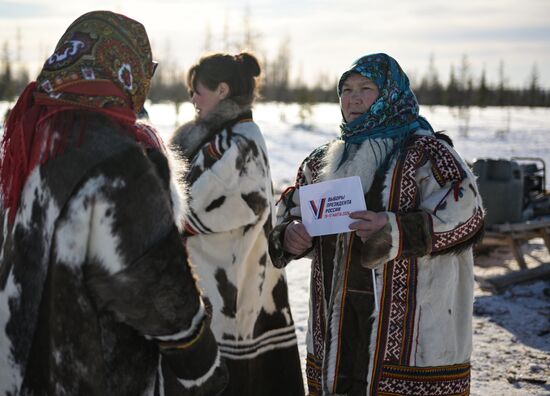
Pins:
x: 18, y: 41
x: 533, y: 88
x: 249, y: 36
x: 483, y: 90
x: 225, y: 33
x: 452, y: 92
x: 502, y: 85
x: 207, y: 46
x: 278, y: 80
x: 465, y: 82
x: 7, y: 86
x: 430, y: 90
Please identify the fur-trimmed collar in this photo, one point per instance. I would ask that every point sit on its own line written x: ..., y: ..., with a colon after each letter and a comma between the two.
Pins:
x: 190, y: 137
x: 363, y: 160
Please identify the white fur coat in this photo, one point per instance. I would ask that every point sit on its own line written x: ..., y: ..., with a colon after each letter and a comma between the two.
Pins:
x: 420, y: 339
x: 226, y: 231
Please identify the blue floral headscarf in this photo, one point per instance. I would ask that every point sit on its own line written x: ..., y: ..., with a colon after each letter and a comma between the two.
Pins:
x: 394, y: 113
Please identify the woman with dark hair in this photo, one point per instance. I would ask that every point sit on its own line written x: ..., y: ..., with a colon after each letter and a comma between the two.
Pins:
x: 230, y: 218
x: 411, y: 334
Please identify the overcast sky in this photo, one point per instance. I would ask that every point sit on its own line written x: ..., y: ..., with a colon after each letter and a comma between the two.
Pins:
x: 325, y: 36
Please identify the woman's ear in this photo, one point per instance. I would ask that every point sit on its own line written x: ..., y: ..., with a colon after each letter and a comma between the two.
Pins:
x: 223, y: 90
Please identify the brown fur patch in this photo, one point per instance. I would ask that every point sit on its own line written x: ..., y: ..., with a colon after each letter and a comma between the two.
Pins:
x: 375, y: 251
x: 415, y: 232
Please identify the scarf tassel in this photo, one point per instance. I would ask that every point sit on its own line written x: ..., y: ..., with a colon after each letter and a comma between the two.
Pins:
x: 398, y: 134
x: 38, y: 128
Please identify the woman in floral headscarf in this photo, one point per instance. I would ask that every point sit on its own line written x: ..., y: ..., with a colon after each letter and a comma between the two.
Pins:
x: 96, y: 295
x: 411, y: 334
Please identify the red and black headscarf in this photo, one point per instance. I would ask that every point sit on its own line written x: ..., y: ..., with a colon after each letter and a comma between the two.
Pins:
x: 103, y: 64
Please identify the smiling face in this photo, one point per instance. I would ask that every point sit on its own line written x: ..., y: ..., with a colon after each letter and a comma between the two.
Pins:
x: 357, y: 95
x: 205, y: 99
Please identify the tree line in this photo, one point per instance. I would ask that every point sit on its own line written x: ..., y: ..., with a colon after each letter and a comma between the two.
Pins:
x: 276, y: 85
x: 461, y: 89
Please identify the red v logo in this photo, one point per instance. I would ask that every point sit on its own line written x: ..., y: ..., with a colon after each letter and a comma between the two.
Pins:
x: 318, y: 211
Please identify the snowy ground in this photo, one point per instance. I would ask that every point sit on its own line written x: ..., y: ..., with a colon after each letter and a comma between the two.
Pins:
x: 511, y: 330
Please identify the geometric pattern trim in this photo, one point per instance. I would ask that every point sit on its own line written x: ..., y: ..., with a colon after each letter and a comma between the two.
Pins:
x: 451, y: 380
x: 318, y: 307
x: 400, y: 309
x: 445, y: 240
x: 398, y: 298
x: 445, y: 167
x: 314, y: 375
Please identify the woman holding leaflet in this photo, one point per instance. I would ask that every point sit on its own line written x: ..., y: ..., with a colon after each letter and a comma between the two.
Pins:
x: 414, y: 335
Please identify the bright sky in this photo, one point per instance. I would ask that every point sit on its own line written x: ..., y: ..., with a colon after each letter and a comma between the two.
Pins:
x: 325, y: 36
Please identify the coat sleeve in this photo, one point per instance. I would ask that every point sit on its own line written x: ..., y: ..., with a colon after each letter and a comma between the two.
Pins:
x: 288, y: 209
x: 229, y: 187
x: 449, y: 217
x: 137, y: 269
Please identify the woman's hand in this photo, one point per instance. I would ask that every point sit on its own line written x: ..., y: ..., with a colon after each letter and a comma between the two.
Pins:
x: 369, y: 222
x: 296, y: 239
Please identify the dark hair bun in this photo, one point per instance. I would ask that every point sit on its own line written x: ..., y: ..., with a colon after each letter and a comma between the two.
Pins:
x: 250, y: 63
x: 237, y: 71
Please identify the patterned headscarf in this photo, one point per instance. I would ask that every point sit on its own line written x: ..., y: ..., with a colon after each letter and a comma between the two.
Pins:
x: 102, y: 64
x: 393, y: 115
x: 396, y: 105
x: 103, y: 60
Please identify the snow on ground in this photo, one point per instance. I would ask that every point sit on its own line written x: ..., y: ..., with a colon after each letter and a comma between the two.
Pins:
x: 477, y: 132
x: 511, y: 330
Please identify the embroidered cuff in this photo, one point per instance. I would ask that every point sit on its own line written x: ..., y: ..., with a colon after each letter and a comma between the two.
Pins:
x: 279, y: 257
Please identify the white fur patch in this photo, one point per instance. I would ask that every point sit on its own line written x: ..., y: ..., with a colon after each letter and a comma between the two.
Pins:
x: 376, y: 318
x: 395, y: 236
x: 72, y: 233
x: 202, y: 379
x: 10, y: 372
x: 250, y: 348
x: 103, y: 242
x: 36, y: 188
x: 263, y: 349
x: 443, y: 331
x: 363, y: 160
x: 335, y: 307
x: 160, y: 377
x: 34, y: 191
x: 178, y: 191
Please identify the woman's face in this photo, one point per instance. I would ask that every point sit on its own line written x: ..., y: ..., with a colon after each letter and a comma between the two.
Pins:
x: 205, y: 99
x: 357, y: 95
